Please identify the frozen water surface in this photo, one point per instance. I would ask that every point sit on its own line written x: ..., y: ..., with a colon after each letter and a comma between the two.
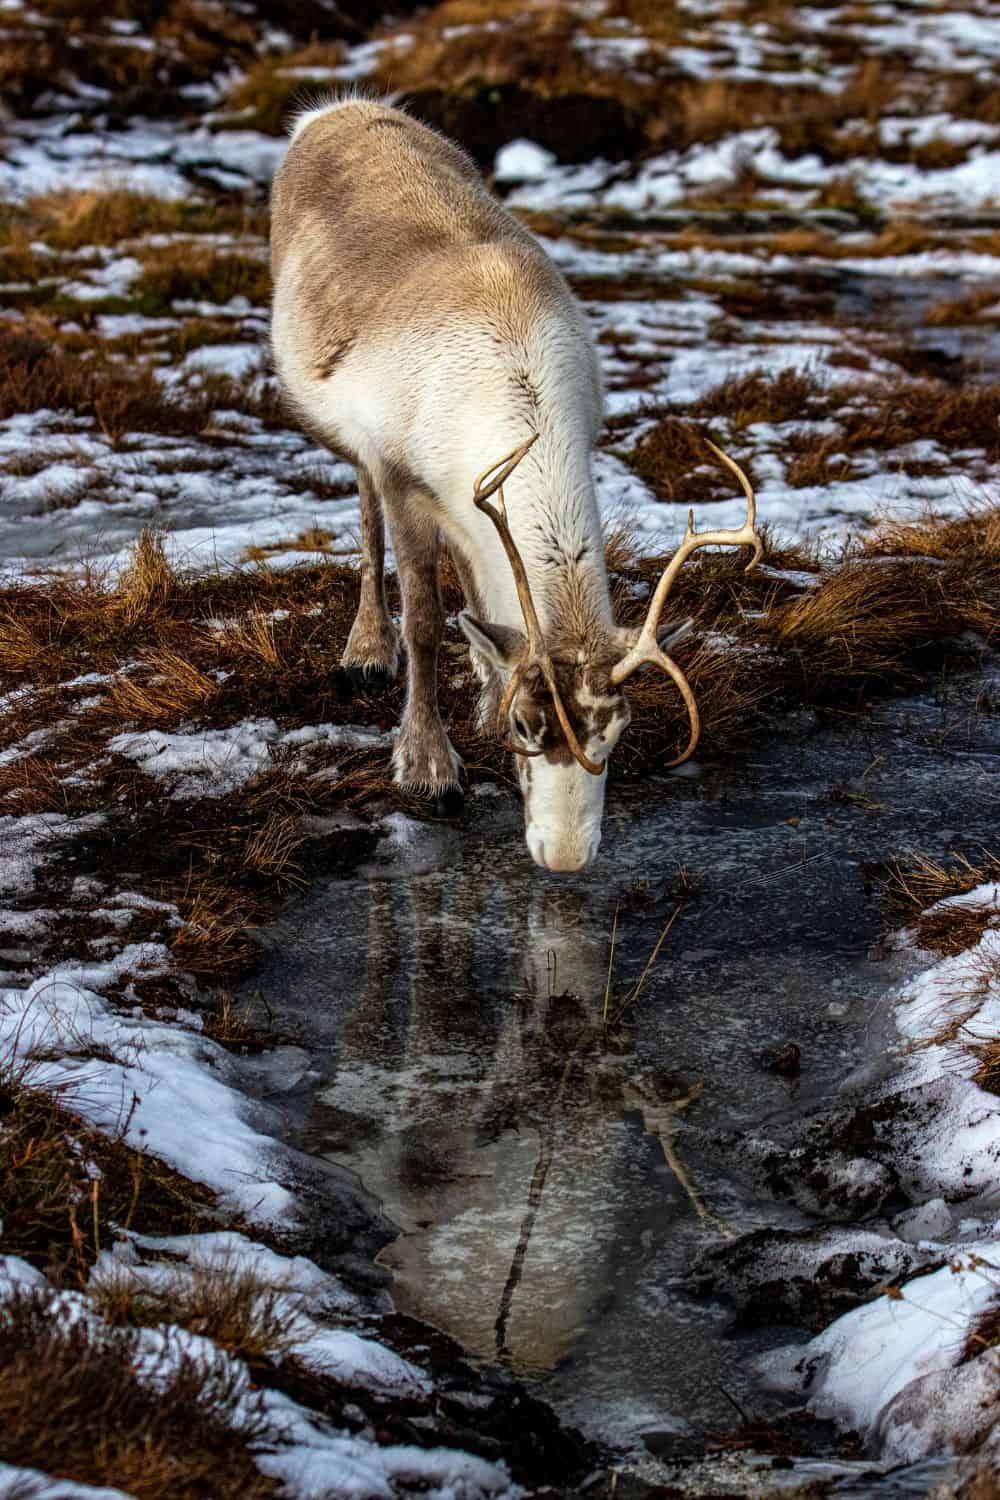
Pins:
x: 553, y: 1177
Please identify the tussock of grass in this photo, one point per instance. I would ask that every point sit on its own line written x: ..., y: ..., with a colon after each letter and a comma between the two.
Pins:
x: 672, y: 459
x: 859, y: 622
x: 910, y: 887
x: 172, y: 688
x: 759, y: 397
x: 181, y: 1432
x: 146, y: 584
x: 270, y: 850
x: 215, y: 942
x: 68, y: 1188
x: 977, y: 533
x: 247, y: 1317
x: 194, y: 273
x: 532, y: 48
x: 954, y: 929
x: 256, y: 638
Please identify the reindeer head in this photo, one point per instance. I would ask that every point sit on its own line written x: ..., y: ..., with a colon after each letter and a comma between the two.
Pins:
x: 563, y: 711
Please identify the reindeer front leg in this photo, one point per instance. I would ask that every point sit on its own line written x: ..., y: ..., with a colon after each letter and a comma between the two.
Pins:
x: 423, y: 760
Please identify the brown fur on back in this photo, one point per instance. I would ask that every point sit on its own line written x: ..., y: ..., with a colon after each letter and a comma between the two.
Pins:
x: 376, y: 205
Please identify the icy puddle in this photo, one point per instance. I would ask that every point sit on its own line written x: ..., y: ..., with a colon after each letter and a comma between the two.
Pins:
x: 555, y: 1159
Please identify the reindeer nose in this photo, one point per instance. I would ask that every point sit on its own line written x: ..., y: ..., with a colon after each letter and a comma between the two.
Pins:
x: 564, y: 858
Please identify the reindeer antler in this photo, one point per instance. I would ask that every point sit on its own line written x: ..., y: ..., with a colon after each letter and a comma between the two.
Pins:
x: 646, y: 648
x: 491, y: 482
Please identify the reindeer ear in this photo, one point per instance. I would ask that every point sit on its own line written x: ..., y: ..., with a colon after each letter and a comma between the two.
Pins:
x: 502, y: 645
x: 624, y: 637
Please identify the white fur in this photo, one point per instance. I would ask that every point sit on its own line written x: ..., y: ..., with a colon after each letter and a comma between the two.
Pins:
x: 562, y: 815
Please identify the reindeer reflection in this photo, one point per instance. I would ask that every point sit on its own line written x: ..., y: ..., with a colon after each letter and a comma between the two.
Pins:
x: 497, y: 1124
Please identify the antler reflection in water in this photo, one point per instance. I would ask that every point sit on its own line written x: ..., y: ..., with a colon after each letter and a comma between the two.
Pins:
x: 658, y: 1119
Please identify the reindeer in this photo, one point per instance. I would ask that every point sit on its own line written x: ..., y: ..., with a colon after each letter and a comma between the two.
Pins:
x: 417, y: 328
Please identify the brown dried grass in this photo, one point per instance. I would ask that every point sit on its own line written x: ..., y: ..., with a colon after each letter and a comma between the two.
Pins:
x: 215, y: 942
x: 57, y: 1214
x: 857, y: 625
x: 534, y: 49
x: 73, y: 219
x: 967, y: 308
x: 73, y: 1406
x: 32, y: 784
x: 255, y: 639
x: 67, y: 42
x: 910, y: 886
x: 977, y: 534
x: 170, y: 690
x: 271, y: 849
x: 273, y: 87
x: 313, y: 539
x: 760, y: 397
x: 954, y: 929
x: 671, y: 457
x: 196, y: 273
x: 145, y: 586
x: 232, y: 1305
x: 121, y: 399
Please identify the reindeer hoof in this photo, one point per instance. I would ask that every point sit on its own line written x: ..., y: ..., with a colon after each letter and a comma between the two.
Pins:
x: 439, y: 802
x: 448, y: 803
x: 372, y: 679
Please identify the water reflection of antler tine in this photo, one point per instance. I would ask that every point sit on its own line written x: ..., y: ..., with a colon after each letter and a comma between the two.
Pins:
x: 658, y: 1120
x: 536, y: 1188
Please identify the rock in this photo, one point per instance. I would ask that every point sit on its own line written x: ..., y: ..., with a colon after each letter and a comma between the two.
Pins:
x: 928, y: 1221
x: 821, y: 1180
x: 804, y: 1275
x: 787, y: 1060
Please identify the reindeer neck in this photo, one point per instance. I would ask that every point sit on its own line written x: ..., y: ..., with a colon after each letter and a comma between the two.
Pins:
x: 553, y: 515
